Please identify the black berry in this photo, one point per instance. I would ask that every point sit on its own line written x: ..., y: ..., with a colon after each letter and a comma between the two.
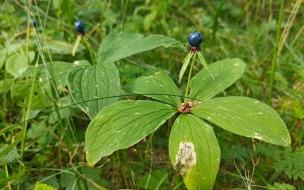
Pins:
x: 33, y: 23
x: 79, y: 27
x: 195, y: 39
x: 40, y: 29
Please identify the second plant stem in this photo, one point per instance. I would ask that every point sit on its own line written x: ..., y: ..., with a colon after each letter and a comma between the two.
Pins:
x: 275, y: 53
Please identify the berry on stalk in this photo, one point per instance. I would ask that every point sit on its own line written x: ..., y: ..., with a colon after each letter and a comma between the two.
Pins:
x: 40, y: 29
x: 79, y: 27
x: 195, y: 39
x: 33, y: 23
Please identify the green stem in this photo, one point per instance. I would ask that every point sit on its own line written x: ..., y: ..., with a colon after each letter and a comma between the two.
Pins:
x: 189, y: 77
x: 125, y: 7
x: 275, y: 54
x: 7, y: 175
x: 26, y: 116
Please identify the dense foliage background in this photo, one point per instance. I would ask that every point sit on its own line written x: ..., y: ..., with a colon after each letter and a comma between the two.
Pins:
x: 52, y: 150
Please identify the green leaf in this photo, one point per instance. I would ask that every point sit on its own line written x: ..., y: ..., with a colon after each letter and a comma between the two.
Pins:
x: 41, y: 186
x: 94, y: 87
x: 6, y: 151
x: 51, y: 178
x: 93, y: 179
x: 158, y: 86
x: 10, y: 156
x: 194, y: 151
x: 117, y: 46
x: 185, y: 65
x: 40, y: 134
x: 64, y: 110
x: 13, y: 177
x: 67, y: 179
x: 81, y: 63
x: 225, y: 72
x: 123, y: 124
x: 2, y: 59
x: 148, y: 20
x: 245, y: 116
x: 281, y: 186
x: 33, y: 85
x: 5, y: 85
x: 8, y: 50
x: 291, y: 163
x: 2, y: 176
x: 16, y: 63
x: 156, y: 179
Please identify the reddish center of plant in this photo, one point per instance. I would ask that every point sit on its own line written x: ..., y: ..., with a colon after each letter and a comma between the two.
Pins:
x: 194, y: 49
x: 186, y: 107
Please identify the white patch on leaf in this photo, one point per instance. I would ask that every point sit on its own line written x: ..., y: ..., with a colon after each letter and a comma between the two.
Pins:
x: 185, y: 158
x: 258, y: 137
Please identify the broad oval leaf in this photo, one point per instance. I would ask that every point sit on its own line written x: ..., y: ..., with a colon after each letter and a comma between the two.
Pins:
x: 117, y: 46
x: 158, y: 86
x: 8, y: 50
x: 94, y: 87
x: 225, y: 73
x: 194, y: 151
x: 16, y: 63
x: 123, y: 124
x: 245, y: 116
x: 33, y: 86
x: 5, y: 85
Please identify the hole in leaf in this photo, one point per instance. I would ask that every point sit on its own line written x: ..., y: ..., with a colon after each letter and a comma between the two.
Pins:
x: 35, y: 93
x: 23, y: 101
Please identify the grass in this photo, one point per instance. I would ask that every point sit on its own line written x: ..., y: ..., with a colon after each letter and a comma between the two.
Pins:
x: 47, y: 145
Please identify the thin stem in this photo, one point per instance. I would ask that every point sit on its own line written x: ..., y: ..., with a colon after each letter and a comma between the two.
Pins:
x: 189, y: 77
x: 7, y: 175
x: 26, y: 116
x: 275, y: 54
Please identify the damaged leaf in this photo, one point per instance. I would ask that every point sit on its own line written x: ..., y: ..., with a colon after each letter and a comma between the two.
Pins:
x: 194, y: 151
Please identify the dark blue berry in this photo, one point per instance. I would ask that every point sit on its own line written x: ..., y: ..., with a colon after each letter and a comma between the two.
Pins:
x: 40, y: 29
x: 79, y: 27
x: 195, y: 39
x: 33, y: 23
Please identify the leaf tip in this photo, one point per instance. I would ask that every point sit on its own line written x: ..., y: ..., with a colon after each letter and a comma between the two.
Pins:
x: 287, y: 141
x: 91, y: 162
